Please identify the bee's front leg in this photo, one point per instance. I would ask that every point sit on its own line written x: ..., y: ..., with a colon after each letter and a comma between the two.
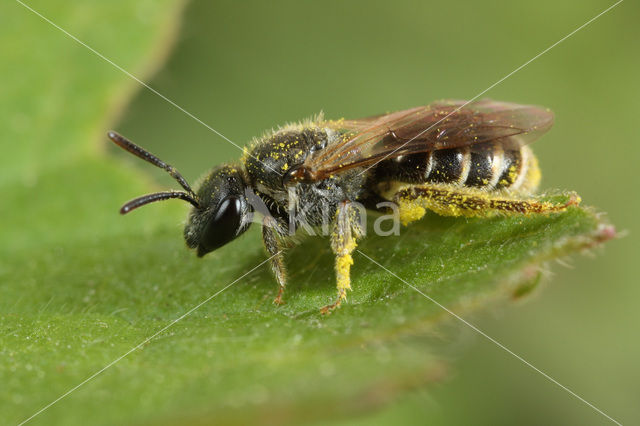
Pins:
x: 345, y: 233
x: 271, y: 239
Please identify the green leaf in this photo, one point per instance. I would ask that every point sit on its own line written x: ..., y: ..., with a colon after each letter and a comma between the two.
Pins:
x: 81, y: 286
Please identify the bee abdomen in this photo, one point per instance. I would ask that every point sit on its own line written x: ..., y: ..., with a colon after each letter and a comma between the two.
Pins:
x: 483, y: 166
x: 411, y: 168
x: 488, y: 166
x: 442, y: 166
x: 449, y: 166
x: 510, y: 170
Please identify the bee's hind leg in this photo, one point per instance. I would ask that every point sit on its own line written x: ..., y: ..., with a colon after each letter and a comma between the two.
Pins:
x: 345, y: 233
x: 451, y: 201
x: 271, y: 240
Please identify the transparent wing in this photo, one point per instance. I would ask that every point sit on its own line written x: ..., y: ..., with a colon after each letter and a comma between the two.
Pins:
x: 440, y: 125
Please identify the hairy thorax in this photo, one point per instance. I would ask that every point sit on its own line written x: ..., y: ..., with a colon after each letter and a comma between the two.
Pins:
x: 271, y: 157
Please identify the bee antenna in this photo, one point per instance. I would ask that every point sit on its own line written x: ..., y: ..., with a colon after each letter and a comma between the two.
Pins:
x: 157, y: 196
x: 140, y: 152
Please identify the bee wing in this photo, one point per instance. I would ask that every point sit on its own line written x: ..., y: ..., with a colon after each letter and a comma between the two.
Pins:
x: 440, y: 125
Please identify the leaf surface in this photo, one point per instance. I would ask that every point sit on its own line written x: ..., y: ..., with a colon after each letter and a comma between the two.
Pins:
x: 81, y: 286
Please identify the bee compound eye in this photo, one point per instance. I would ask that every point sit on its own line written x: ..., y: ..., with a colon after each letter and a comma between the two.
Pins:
x: 223, y: 226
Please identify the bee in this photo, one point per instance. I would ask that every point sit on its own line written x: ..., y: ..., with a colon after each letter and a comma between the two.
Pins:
x: 454, y: 158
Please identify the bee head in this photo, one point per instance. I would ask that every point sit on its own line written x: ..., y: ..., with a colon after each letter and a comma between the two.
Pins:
x: 223, y: 212
x: 220, y: 209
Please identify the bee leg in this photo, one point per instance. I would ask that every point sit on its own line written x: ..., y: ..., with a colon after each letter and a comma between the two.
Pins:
x: 346, y: 230
x: 270, y: 238
x: 451, y: 201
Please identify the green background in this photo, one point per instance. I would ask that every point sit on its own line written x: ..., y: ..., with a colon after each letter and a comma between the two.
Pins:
x: 246, y: 67
x: 243, y: 68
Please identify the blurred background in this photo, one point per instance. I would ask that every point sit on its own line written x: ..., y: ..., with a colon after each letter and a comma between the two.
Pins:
x: 244, y: 67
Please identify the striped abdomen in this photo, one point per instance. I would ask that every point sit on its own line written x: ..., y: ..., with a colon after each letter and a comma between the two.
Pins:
x: 487, y: 166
